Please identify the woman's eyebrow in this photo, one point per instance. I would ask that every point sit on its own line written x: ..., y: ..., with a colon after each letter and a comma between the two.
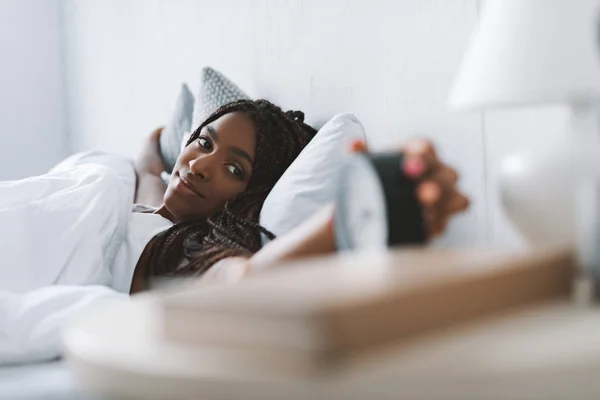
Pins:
x: 212, y: 132
x: 241, y: 153
x: 234, y: 149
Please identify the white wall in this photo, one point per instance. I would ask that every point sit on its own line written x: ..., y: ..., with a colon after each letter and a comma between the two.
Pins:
x: 391, y: 62
x: 32, y: 135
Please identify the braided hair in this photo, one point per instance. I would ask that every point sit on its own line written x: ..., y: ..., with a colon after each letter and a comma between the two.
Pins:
x: 191, y: 248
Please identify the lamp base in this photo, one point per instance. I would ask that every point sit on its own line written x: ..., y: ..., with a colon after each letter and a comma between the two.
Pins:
x: 538, y: 188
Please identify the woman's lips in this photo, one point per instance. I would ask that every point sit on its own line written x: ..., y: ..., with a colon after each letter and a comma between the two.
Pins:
x: 187, y: 187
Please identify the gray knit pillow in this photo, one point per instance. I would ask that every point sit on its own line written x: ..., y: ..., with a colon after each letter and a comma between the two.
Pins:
x: 215, y: 91
x: 173, y: 132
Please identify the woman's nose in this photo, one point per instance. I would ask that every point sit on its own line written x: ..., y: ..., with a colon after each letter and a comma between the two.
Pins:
x: 200, y: 167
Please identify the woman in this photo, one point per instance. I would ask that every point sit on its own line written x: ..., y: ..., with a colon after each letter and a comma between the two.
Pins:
x: 70, y: 240
x: 221, y: 180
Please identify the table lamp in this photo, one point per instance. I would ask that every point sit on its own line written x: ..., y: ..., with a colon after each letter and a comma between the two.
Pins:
x: 527, y: 52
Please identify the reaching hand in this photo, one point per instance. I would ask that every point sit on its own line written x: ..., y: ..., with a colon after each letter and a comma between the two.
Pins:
x: 437, y: 192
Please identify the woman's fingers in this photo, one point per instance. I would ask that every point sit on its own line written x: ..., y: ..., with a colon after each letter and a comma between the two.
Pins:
x: 450, y: 174
x: 419, y: 146
x: 420, y: 157
x: 440, y: 200
x: 458, y: 203
x: 445, y: 176
x: 422, y: 150
x: 429, y: 193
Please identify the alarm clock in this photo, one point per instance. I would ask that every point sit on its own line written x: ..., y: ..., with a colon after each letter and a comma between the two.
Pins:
x: 376, y: 204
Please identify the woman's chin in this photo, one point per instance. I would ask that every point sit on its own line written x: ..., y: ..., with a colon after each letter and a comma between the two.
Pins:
x: 184, y: 211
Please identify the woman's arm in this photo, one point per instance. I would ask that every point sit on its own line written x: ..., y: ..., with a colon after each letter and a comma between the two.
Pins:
x: 313, y: 237
x: 150, y: 188
x: 437, y: 194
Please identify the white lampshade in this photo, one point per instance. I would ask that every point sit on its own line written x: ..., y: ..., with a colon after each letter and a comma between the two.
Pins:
x: 531, y: 51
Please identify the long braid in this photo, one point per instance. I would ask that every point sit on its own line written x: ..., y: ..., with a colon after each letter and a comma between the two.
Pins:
x: 191, y: 248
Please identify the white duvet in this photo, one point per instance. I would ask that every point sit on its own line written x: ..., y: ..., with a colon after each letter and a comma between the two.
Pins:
x: 59, y: 234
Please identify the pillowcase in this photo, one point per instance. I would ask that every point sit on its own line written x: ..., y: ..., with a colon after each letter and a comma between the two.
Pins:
x: 311, y: 181
x: 215, y: 91
x: 181, y: 122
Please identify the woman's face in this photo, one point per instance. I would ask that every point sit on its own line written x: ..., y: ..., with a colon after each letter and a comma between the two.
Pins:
x: 213, y: 169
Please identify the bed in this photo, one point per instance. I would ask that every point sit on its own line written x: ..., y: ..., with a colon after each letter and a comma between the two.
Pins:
x: 48, y: 381
x: 315, y: 90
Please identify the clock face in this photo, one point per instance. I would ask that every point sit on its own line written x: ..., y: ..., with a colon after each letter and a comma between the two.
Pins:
x: 360, y: 217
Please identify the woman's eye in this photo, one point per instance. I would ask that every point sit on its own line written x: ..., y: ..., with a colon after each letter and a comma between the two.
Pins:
x: 204, y: 143
x: 237, y: 172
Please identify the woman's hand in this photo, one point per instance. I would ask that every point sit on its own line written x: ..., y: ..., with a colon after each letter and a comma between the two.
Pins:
x: 150, y: 187
x: 149, y: 160
x: 437, y: 192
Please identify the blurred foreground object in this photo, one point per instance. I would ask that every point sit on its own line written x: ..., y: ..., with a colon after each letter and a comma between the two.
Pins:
x: 315, y: 315
x: 540, y: 346
x: 530, y: 52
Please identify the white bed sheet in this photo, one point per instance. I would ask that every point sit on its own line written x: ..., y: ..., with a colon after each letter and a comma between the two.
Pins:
x: 84, y: 205
x: 48, y: 381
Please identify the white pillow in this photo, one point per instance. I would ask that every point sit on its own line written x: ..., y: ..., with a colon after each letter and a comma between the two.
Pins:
x: 310, y: 182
